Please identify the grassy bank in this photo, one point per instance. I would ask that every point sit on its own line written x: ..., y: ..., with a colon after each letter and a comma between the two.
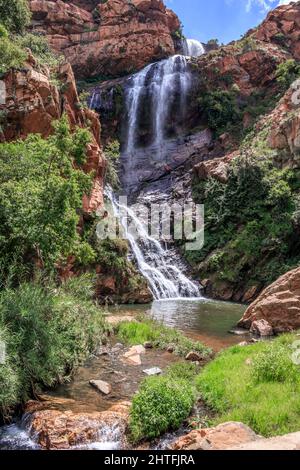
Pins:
x: 258, y: 385
x: 161, y: 336
x: 47, y: 333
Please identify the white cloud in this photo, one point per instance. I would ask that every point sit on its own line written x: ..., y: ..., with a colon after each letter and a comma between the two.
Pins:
x: 265, y: 4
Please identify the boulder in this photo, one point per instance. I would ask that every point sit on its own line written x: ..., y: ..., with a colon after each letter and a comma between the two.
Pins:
x: 101, y: 386
x: 261, y: 328
x: 278, y: 306
x: 218, y: 438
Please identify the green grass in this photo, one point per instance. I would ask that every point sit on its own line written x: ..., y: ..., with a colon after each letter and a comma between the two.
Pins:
x: 138, y: 332
x: 258, y: 385
x: 162, y: 403
x: 48, y: 332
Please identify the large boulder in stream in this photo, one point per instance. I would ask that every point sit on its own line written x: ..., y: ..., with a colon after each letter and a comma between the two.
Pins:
x: 54, y: 429
x: 278, y: 305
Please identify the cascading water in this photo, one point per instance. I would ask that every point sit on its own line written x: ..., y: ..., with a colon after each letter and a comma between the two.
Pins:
x: 165, y: 279
x: 192, y: 48
x: 159, y: 90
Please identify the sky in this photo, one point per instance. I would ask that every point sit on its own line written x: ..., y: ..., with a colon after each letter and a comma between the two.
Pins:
x: 225, y: 20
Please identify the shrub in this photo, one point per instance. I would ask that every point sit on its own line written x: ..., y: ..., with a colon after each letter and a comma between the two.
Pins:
x: 47, y: 334
x: 112, y: 153
x: 220, y: 109
x: 41, y: 194
x: 161, y: 404
x: 11, y: 55
x: 287, y: 72
x: 39, y: 47
x: 274, y: 365
x: 15, y: 15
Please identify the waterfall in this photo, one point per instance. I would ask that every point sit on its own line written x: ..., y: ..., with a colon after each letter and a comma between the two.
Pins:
x: 192, y: 48
x: 165, y: 279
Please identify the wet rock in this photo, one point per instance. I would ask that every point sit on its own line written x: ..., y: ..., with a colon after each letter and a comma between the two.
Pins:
x: 193, y: 356
x: 103, y: 387
x: 261, y: 328
x: 139, y: 349
x: 220, y: 437
x: 134, y: 359
x: 102, y: 351
x: 54, y: 429
x: 148, y: 345
x: 170, y: 348
x: 153, y: 371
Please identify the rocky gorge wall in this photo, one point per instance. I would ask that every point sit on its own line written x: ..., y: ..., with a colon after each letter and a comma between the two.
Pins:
x: 107, y: 38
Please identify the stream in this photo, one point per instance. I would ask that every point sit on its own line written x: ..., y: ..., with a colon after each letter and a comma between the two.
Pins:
x: 201, y: 319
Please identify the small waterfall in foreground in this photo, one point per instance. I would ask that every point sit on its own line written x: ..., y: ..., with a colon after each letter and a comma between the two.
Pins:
x: 156, y: 264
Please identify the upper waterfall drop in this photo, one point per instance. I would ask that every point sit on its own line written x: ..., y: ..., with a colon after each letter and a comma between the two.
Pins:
x: 192, y: 48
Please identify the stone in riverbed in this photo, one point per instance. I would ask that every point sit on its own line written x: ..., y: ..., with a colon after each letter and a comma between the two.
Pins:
x: 148, y: 345
x: 170, y: 348
x: 193, y: 356
x: 135, y: 359
x: 239, y: 331
x: 101, y: 386
x: 221, y: 437
x: 153, y: 371
x: 261, y: 328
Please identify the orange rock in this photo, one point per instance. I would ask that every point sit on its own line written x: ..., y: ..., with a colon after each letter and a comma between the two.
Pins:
x: 221, y: 437
x: 108, y: 38
x: 278, y: 304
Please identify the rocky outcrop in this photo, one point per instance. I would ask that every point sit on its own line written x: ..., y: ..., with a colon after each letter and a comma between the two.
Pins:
x: 106, y: 38
x: 55, y: 429
x: 278, y: 305
x: 33, y: 102
x: 281, y: 27
x: 221, y: 437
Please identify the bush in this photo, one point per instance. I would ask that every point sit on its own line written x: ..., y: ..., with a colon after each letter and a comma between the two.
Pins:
x: 39, y: 47
x: 15, y: 15
x: 41, y: 194
x: 287, y: 73
x: 47, y: 334
x: 275, y: 365
x: 11, y: 55
x: 161, y: 404
x: 161, y: 336
x: 112, y: 154
x: 220, y: 109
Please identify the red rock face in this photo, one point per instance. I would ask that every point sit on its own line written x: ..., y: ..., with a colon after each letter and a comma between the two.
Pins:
x: 33, y: 103
x: 278, y: 304
x: 112, y: 38
x: 282, y: 27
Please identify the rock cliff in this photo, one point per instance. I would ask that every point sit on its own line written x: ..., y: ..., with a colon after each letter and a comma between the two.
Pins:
x: 107, y: 38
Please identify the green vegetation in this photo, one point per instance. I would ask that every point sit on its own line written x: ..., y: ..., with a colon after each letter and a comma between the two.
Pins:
x: 11, y: 54
x: 250, y: 221
x: 112, y: 154
x: 287, y: 73
x: 15, y: 15
x: 47, y: 333
x: 258, y: 385
x: 162, y: 403
x: 138, y: 332
x: 220, y: 109
x: 40, y: 197
x: 39, y: 47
